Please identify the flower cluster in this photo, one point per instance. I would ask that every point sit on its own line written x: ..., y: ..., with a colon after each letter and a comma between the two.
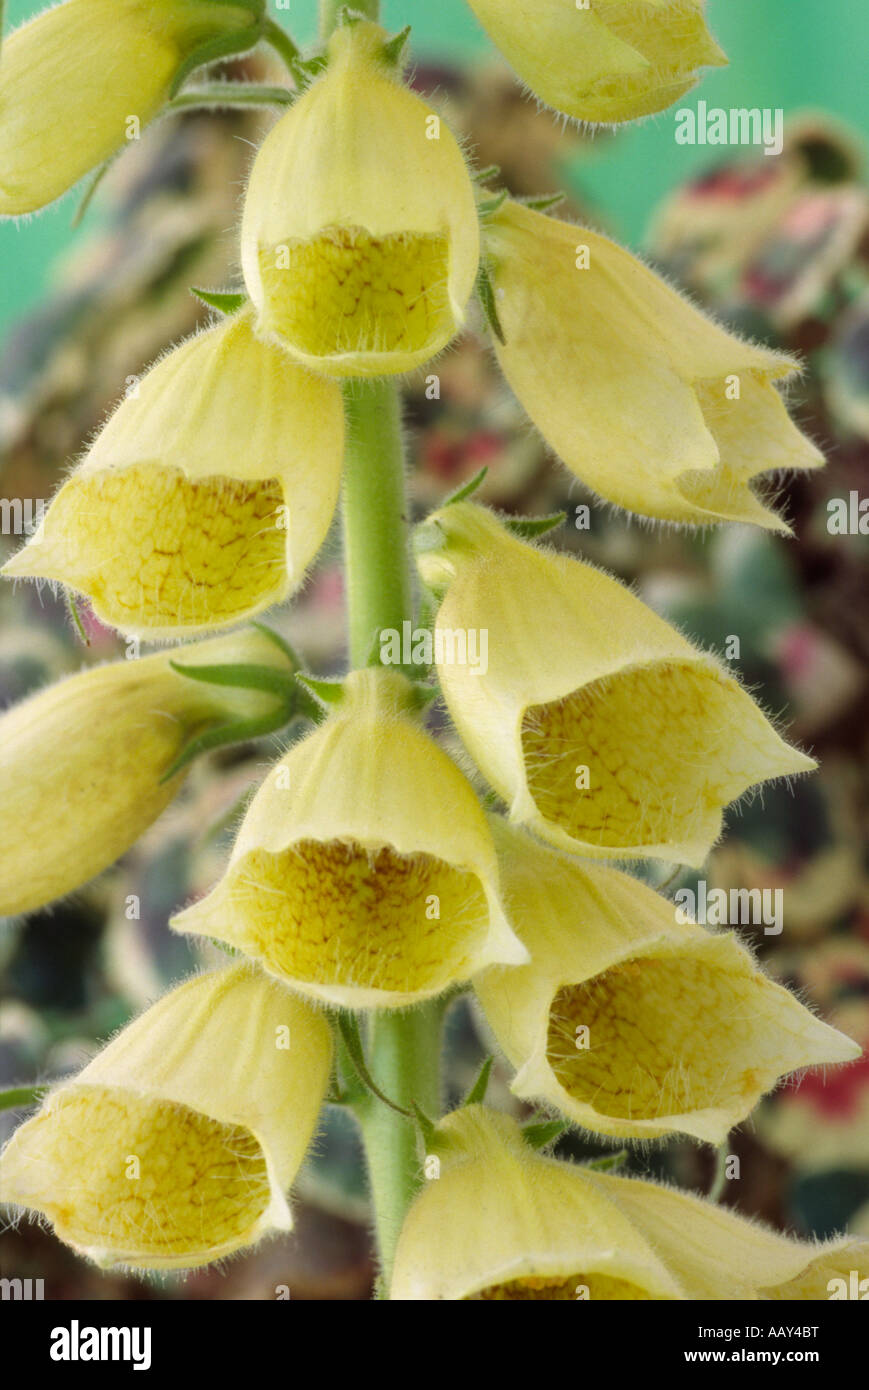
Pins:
x: 366, y: 875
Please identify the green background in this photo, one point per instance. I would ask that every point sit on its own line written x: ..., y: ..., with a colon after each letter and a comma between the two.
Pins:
x: 796, y: 54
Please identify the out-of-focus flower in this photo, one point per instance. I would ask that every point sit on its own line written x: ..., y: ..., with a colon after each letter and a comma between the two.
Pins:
x: 360, y: 237
x: 364, y: 872
x: 80, y: 79
x: 647, y: 401
x: 84, y: 759
x: 621, y: 740
x: 207, y: 494
x: 176, y: 1145
x: 502, y: 1222
x: 608, y: 61
x: 624, y: 1017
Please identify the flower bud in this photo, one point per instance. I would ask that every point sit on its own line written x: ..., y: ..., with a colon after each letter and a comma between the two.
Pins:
x: 176, y: 1145
x: 602, y: 727
x: 364, y: 872
x: 502, y: 1223
x: 83, y: 760
x: 643, y: 398
x: 206, y: 495
x: 82, y: 78
x: 360, y: 238
x: 624, y: 1018
x: 608, y: 61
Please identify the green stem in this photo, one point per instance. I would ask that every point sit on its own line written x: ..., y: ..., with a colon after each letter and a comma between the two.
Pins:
x: 403, y: 1048
x: 229, y: 94
x: 404, y: 1055
x: 278, y: 38
x: 330, y: 10
x: 375, y: 525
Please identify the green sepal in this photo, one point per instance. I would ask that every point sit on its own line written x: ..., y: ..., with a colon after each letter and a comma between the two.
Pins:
x: 279, y: 641
x: 489, y: 205
x: 75, y: 616
x: 529, y: 528
x: 348, y: 1027
x: 486, y: 175
x: 608, y: 1163
x: 327, y: 694
x: 19, y: 1097
x: 477, y: 1094
x: 222, y: 735
x: 239, y: 676
x: 486, y: 296
x: 467, y: 489
x: 242, y: 676
x: 544, y: 203
x: 307, y: 70
x: 393, y: 50
x: 224, y: 301
x: 539, y: 1134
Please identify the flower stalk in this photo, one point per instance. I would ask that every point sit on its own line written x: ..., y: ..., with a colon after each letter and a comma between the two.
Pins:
x: 404, y: 1048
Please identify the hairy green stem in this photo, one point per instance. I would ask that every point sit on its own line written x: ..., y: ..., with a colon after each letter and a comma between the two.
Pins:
x: 375, y: 525
x: 277, y: 37
x: 403, y: 1048
x: 405, y: 1057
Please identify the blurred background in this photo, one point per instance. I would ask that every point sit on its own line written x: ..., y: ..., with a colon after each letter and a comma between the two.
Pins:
x: 778, y: 248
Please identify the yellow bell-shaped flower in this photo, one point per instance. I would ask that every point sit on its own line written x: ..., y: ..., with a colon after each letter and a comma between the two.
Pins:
x: 207, y: 494
x: 84, y: 759
x: 364, y: 872
x: 603, y: 60
x: 360, y: 237
x: 648, y: 402
x: 177, y: 1144
x: 498, y: 1222
x: 602, y: 727
x: 624, y: 1018
x: 82, y: 78
x: 501, y: 1222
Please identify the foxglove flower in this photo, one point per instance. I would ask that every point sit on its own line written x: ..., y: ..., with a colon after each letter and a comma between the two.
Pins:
x: 88, y: 762
x: 602, y: 727
x: 80, y: 79
x: 623, y: 1019
x: 364, y: 872
x: 607, y: 60
x: 205, y: 497
x: 360, y: 238
x: 177, y: 1144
